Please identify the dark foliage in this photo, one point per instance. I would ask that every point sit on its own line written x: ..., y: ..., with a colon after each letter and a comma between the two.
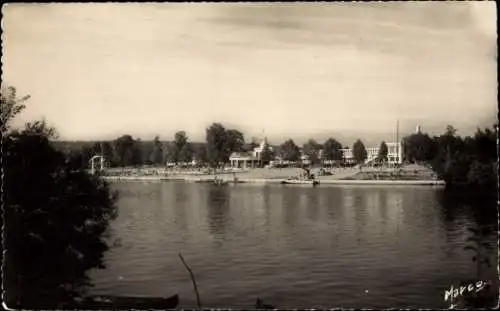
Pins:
x: 200, y: 154
x: 56, y: 217
x: 382, y: 152
x: 311, y: 149
x: 221, y: 142
x: 178, y: 147
x: 418, y: 148
x: 156, y: 155
x: 469, y: 162
x: 332, y: 150
x: 290, y: 151
x: 235, y: 141
x: 266, y: 155
x: 359, y: 152
x: 216, y: 144
x: 126, y: 151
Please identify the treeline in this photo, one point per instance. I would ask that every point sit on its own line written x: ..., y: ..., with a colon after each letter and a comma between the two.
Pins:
x: 219, y: 144
x: 461, y: 161
x: 128, y: 151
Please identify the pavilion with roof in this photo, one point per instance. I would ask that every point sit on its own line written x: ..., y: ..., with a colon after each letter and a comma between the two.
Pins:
x: 249, y: 159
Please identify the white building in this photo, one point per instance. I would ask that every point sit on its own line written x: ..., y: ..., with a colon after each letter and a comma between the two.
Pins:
x: 249, y: 159
x: 347, y: 155
x: 243, y: 160
x: 371, y: 154
x: 394, y: 154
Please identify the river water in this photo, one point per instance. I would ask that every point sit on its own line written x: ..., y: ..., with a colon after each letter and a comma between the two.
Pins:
x: 292, y: 246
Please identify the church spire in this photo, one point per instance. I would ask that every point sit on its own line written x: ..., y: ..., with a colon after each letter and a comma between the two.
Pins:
x: 264, y: 139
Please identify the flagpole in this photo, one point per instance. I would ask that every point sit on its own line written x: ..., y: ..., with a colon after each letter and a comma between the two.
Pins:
x: 397, y: 141
x: 398, y: 146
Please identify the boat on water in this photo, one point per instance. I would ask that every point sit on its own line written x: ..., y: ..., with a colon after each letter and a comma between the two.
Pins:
x: 306, y: 178
x: 292, y: 181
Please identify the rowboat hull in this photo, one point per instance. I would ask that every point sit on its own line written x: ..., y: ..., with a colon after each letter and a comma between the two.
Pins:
x: 300, y: 182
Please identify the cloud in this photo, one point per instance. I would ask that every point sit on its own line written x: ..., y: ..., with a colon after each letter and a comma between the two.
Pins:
x: 397, y: 28
x: 160, y: 67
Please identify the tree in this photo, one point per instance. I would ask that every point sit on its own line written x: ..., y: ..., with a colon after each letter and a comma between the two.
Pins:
x: 266, y: 155
x: 180, y: 141
x: 126, y: 151
x: 142, y: 151
x: 418, y: 147
x: 470, y: 162
x: 290, y: 151
x: 311, y: 149
x: 359, y: 152
x: 234, y: 141
x: 186, y: 153
x: 216, y: 144
x: 449, y: 161
x: 54, y: 235
x: 332, y: 150
x: 382, y: 152
x: 484, y: 145
x: 450, y: 130
x: 200, y: 154
x: 170, y: 153
x: 11, y: 106
x: 107, y: 151
x: 156, y: 156
x: 41, y: 128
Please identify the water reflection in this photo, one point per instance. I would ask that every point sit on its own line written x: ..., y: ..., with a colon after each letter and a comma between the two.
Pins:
x: 312, y: 203
x: 295, y: 244
x: 459, y: 209
x: 218, y: 210
x: 333, y: 201
x: 383, y: 209
x: 360, y: 211
x: 180, y: 211
x: 266, y: 202
x: 290, y: 200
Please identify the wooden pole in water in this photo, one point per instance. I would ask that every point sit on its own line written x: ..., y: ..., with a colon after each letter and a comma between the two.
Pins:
x: 194, y: 282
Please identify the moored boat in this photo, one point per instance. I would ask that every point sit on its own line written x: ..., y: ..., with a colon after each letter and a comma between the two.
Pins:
x: 300, y: 182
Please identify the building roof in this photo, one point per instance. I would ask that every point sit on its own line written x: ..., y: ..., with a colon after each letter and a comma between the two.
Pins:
x: 240, y: 155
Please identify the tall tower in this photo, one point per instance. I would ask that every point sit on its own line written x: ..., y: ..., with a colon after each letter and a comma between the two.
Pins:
x: 264, y: 138
x: 418, y: 130
x: 398, y: 149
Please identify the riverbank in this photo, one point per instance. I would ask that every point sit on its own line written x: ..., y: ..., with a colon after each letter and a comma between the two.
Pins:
x: 276, y: 180
x: 339, y: 176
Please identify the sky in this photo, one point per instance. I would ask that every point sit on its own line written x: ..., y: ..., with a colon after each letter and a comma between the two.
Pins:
x: 299, y: 70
